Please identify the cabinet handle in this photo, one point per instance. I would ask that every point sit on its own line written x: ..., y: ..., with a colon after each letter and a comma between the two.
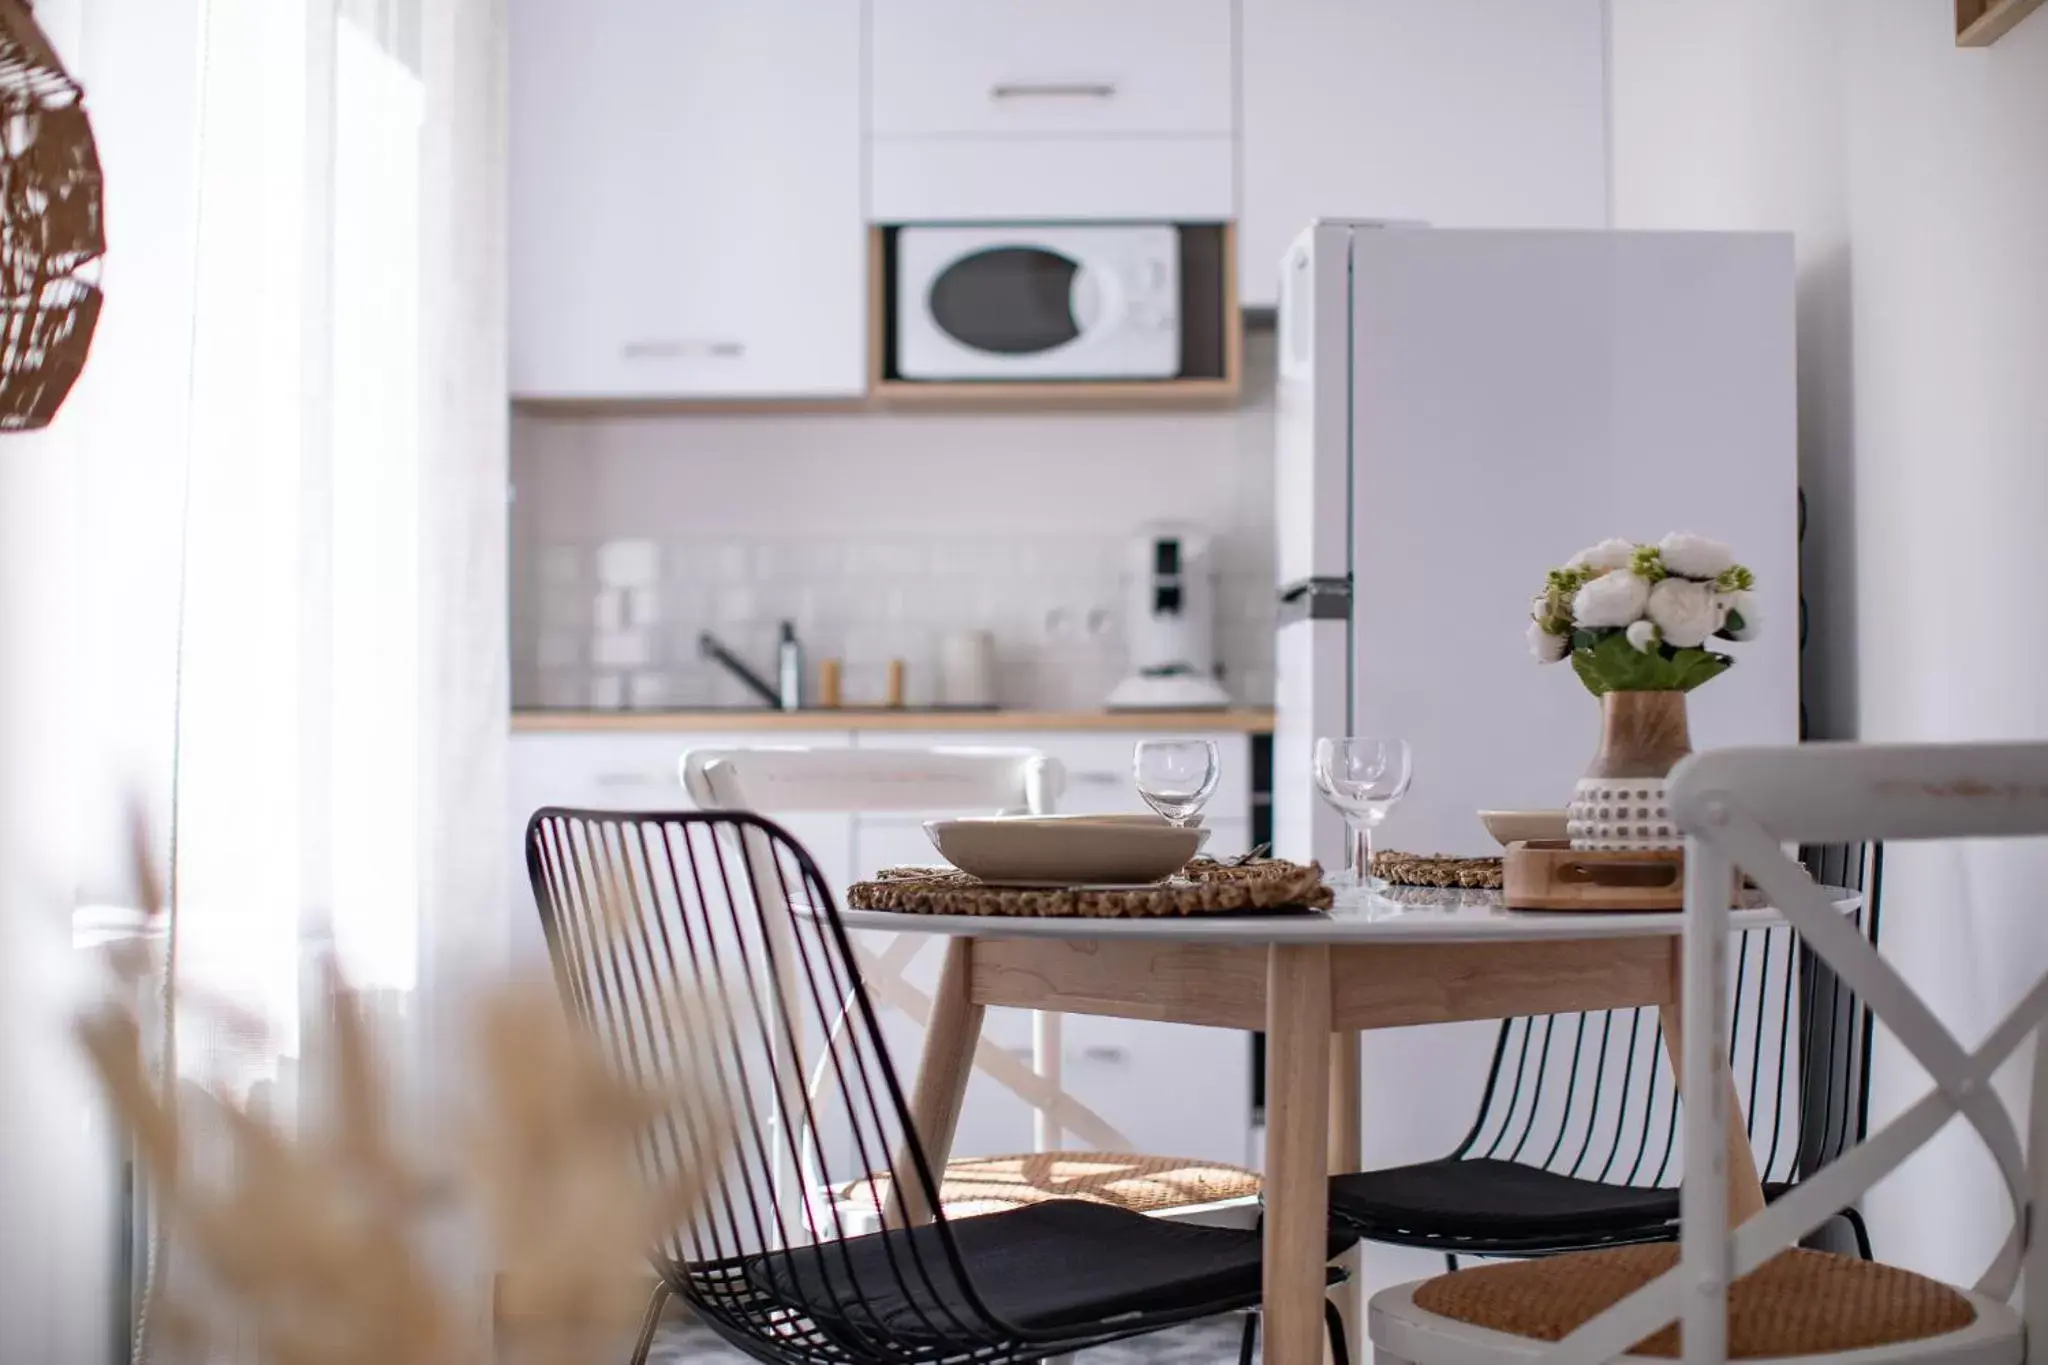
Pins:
x: 1083, y: 90
x: 1094, y: 779
x: 1104, y: 1052
x: 678, y: 349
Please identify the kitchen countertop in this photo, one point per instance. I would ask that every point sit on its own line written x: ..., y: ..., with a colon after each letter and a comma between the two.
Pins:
x: 813, y: 719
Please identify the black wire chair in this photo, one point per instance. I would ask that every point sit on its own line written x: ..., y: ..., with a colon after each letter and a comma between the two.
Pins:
x: 1576, y: 1134
x: 645, y: 913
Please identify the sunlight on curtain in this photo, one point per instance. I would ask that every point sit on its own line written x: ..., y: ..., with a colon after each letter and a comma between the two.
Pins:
x: 292, y: 208
x: 240, y: 722
x: 299, y: 721
x: 376, y: 482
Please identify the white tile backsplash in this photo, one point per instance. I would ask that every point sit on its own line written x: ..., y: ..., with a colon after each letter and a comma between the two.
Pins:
x: 628, y: 563
x: 876, y: 533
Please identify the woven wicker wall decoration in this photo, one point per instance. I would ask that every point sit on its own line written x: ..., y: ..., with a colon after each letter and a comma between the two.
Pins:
x: 52, y: 232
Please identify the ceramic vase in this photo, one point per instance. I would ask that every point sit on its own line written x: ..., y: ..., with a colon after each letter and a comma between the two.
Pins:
x: 1620, y: 802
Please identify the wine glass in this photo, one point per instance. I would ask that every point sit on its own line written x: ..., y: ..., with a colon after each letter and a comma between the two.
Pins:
x: 1176, y: 776
x: 1362, y: 778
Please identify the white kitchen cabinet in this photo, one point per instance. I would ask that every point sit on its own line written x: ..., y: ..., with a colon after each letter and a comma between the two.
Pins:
x: 1052, y: 109
x: 639, y: 772
x: 686, y: 215
x: 1097, y: 764
x: 1461, y: 113
x: 1012, y: 180
x: 1170, y: 1089
x: 1008, y: 68
x: 992, y: 1120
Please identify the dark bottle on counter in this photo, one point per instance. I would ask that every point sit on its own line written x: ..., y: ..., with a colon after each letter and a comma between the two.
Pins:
x: 789, y: 668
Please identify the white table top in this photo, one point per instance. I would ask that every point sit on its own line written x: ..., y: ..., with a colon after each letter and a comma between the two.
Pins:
x: 1398, y: 915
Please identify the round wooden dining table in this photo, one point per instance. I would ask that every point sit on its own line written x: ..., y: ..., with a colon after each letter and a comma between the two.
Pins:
x: 1312, y: 980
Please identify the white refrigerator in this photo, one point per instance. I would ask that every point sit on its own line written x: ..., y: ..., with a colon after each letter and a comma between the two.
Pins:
x: 1459, y: 411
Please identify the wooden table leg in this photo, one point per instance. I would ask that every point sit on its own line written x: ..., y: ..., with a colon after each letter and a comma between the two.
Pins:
x: 1745, y: 1186
x: 1347, y: 1154
x: 949, y: 1038
x: 1297, y: 1150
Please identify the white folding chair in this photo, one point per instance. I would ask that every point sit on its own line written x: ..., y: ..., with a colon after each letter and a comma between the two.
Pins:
x: 778, y: 781
x: 1752, y: 1294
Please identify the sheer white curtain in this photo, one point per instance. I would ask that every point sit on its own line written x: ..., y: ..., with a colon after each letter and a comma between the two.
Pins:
x: 256, y: 572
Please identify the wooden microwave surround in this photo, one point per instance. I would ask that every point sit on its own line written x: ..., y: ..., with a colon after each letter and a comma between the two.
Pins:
x: 1221, y: 386
x: 1980, y: 23
x: 1212, y: 350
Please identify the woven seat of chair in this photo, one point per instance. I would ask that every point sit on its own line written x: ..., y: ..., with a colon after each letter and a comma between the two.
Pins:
x: 1141, y: 1184
x: 1798, y: 1303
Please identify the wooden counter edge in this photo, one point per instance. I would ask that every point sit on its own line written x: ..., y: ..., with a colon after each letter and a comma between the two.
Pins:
x: 1246, y: 721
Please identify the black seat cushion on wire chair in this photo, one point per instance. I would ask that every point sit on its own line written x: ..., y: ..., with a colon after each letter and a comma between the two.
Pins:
x: 1059, y: 1268
x: 1486, y: 1199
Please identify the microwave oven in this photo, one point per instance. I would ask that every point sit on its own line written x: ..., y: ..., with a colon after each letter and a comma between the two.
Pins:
x: 1099, y: 301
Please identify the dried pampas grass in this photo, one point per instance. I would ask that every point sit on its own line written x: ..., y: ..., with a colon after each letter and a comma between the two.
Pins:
x: 328, y: 1243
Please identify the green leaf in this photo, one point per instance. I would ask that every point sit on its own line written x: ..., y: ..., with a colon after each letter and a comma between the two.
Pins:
x: 1698, y: 666
x: 1589, y: 672
x: 1606, y: 662
x: 1611, y: 664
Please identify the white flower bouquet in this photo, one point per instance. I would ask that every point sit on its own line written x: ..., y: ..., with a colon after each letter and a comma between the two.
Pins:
x: 1637, y: 618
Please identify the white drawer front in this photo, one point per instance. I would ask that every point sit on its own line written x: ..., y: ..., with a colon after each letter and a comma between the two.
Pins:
x: 1172, y: 1089
x: 1000, y: 67
x: 1098, y: 767
x: 640, y: 772
x: 1178, y: 180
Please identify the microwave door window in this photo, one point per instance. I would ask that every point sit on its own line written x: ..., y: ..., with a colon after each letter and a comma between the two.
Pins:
x: 1011, y: 300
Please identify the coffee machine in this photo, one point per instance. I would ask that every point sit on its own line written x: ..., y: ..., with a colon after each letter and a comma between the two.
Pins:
x: 1170, y: 622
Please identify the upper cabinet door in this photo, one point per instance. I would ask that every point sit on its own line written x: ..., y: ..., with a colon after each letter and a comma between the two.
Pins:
x: 1036, y: 67
x: 1462, y: 113
x: 686, y: 199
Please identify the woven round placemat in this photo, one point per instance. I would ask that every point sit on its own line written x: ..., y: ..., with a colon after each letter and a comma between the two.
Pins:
x: 1797, y: 1303
x: 1204, y: 888
x: 1437, y: 869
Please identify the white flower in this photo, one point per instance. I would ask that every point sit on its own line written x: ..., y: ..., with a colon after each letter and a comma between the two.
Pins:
x: 1643, y: 635
x: 1691, y: 556
x: 1547, y: 648
x: 1741, y: 604
x: 1608, y: 554
x: 1685, y: 611
x: 1613, y: 600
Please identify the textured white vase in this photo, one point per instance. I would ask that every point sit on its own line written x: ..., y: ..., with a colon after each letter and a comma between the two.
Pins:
x: 1609, y: 813
x: 1621, y: 801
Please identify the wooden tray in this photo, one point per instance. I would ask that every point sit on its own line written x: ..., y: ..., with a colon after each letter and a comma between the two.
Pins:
x: 1548, y: 874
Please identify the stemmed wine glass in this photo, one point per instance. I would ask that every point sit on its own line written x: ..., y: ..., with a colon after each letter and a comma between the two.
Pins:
x: 1362, y: 778
x: 1176, y: 776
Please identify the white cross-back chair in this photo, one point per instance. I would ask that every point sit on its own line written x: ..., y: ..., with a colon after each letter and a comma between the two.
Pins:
x: 782, y: 781
x: 1738, y: 809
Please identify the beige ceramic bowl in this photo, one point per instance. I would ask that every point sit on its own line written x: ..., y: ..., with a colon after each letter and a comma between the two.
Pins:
x: 1065, y: 850
x: 1520, y: 826
x: 1146, y: 818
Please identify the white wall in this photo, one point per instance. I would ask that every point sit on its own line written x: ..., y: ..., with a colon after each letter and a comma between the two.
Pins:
x: 1948, y: 204
x: 1924, y: 370
x: 1727, y: 115
x: 807, y: 506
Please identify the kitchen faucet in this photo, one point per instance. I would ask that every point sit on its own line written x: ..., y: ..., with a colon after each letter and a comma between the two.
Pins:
x: 789, y: 670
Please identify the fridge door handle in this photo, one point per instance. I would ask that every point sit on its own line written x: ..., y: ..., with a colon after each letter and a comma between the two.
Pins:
x: 1316, y: 599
